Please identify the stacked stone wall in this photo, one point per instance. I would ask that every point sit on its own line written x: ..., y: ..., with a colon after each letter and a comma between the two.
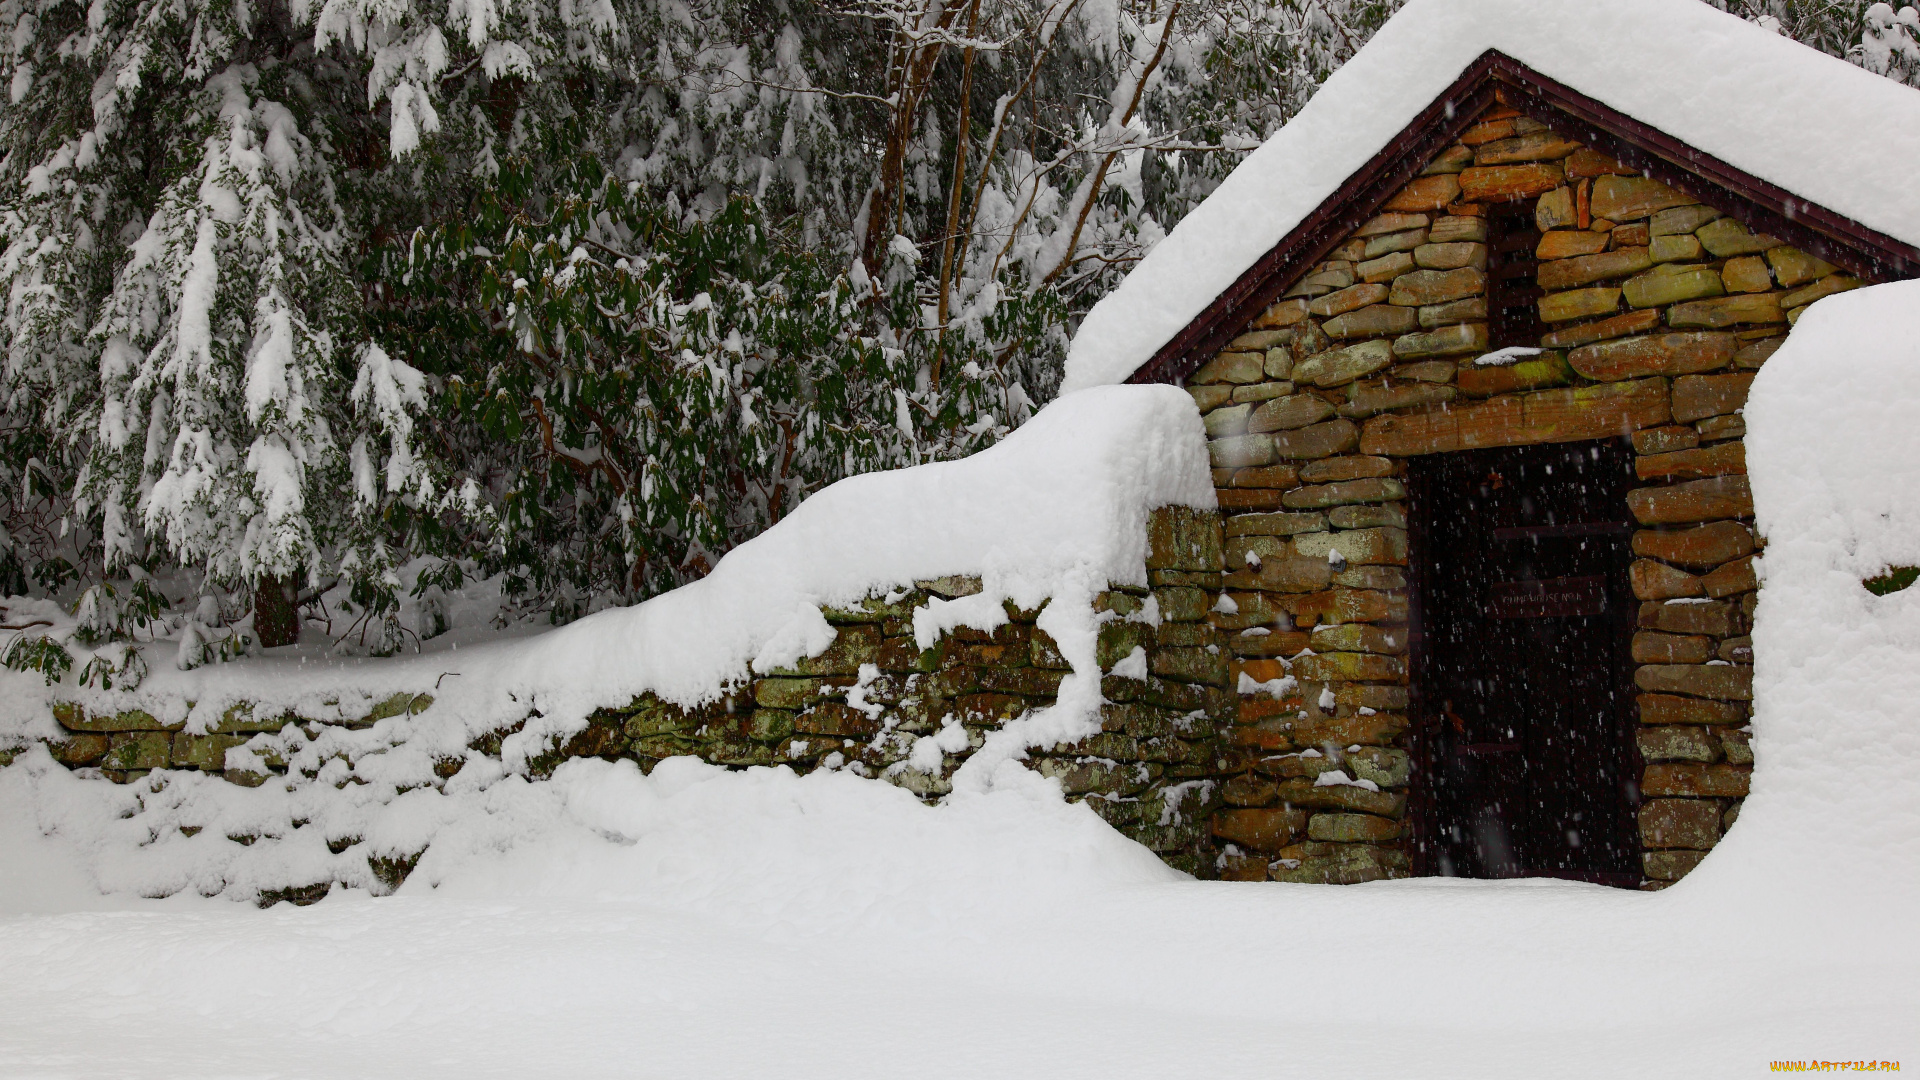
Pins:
x: 1153, y: 770
x: 1658, y: 309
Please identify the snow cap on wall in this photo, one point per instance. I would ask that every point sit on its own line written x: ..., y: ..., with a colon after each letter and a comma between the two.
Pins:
x: 1834, y: 134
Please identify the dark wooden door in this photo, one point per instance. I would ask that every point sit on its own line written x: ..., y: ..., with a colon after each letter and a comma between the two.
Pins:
x: 1523, y: 619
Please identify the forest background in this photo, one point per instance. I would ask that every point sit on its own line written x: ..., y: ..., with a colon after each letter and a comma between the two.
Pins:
x: 373, y: 297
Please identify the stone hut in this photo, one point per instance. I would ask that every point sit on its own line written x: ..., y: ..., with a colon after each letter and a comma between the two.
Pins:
x: 1475, y: 425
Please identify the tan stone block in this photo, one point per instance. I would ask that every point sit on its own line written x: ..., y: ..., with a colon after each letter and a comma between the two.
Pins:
x: 1593, y: 412
x: 1697, y: 397
x: 1265, y: 830
x: 1333, y: 470
x: 1792, y: 267
x: 1554, y: 210
x: 1632, y: 322
x: 1701, y: 547
x: 1697, y: 500
x: 1426, y: 194
x: 1231, y: 367
x: 1377, y: 320
x: 1745, y: 308
x: 1279, y: 364
x: 1347, y: 299
x: 1629, y: 198
x: 1363, y: 516
x: 1658, y: 865
x: 1635, y: 234
x: 1569, y: 243
x: 1446, y: 341
x: 1450, y: 256
x: 1366, y: 399
x: 1664, y: 440
x: 1260, y: 340
x: 1725, y: 237
x: 1546, y: 370
x: 1657, y: 581
x: 1384, y: 269
x: 1303, y: 792
x: 1731, y: 580
x: 1359, y: 637
x: 1273, y: 524
x: 1826, y: 286
x: 1747, y: 274
x: 1211, y: 396
x: 1721, y: 427
x: 1724, y: 459
x: 1721, y: 682
x: 1679, y: 823
x: 86, y: 748
x: 1672, y: 283
x: 1690, y: 617
x: 1227, y: 421
x: 1316, y: 440
x: 1678, y: 743
x: 1342, y: 492
x: 1255, y: 393
x: 1284, y: 313
x: 1338, y: 367
x: 1579, y: 304
x: 74, y: 718
x: 1506, y: 183
x: 1491, y: 127
x: 1669, y: 709
x: 1738, y: 747
x: 1585, y: 164
x: 1685, y: 779
x: 1682, y: 219
x: 1423, y: 288
x: 1657, y: 354
x: 1393, y: 243
x: 1352, y: 828
x: 1454, y: 229
x: 1357, y: 547
x: 1654, y: 647
x: 1391, y: 223
x: 1750, y: 357
x: 1239, y: 499
x: 1287, y: 413
x: 1240, y: 450
x: 1428, y: 371
x: 1538, y: 146
x: 1587, y: 269
x: 1266, y: 476
x: 1675, y: 249
x: 1451, y: 160
x: 138, y: 750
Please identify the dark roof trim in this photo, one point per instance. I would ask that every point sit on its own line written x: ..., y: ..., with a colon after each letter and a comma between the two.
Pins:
x: 1761, y: 205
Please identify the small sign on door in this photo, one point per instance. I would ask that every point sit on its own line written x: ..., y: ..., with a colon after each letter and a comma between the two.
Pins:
x: 1550, y: 599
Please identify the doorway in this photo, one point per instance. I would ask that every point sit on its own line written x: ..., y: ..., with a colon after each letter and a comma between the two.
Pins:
x: 1522, y: 639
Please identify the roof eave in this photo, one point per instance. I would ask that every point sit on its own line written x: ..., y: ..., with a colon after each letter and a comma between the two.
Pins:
x: 1761, y: 205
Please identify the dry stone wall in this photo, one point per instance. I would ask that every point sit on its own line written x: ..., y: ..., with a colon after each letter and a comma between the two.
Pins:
x: 1153, y: 770
x: 1655, y: 310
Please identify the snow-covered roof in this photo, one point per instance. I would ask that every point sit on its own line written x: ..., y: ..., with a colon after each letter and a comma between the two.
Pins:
x: 1828, y: 132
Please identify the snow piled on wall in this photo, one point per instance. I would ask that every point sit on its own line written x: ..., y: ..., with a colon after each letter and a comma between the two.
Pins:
x: 1055, y: 512
x: 1832, y: 133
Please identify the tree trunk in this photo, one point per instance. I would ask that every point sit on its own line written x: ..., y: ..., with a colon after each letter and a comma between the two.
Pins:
x: 276, y: 616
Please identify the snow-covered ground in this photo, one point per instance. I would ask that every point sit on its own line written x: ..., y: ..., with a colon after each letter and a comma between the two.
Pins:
x: 701, y: 923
